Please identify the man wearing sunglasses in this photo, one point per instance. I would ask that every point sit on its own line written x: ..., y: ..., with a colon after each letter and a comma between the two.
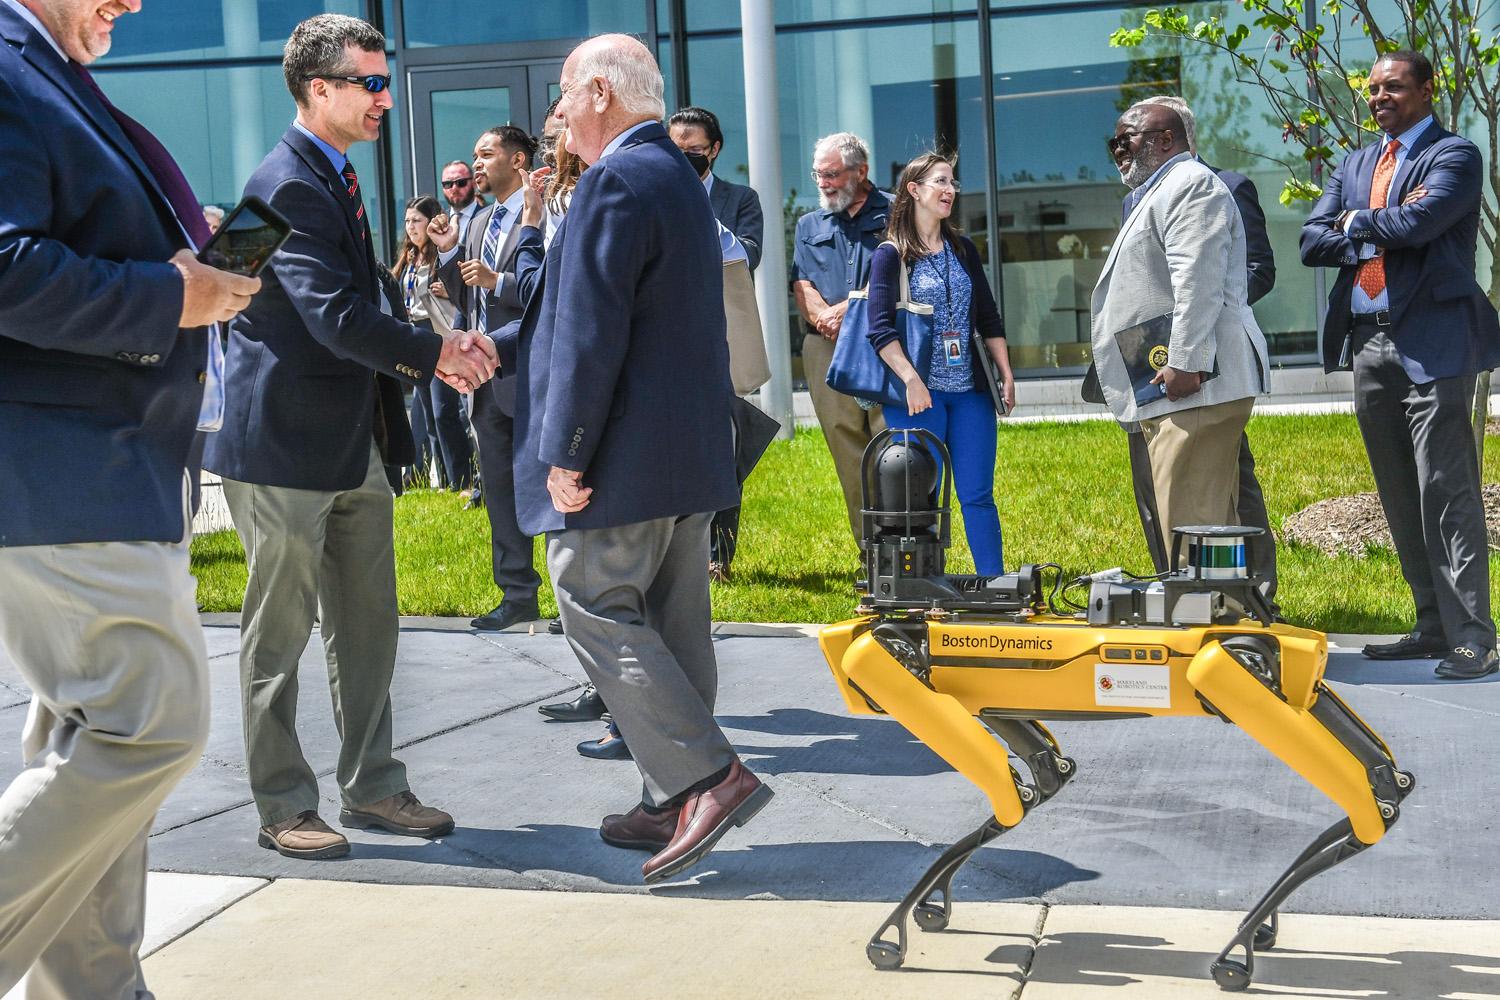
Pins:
x: 1175, y: 343
x: 462, y: 195
x: 314, y: 414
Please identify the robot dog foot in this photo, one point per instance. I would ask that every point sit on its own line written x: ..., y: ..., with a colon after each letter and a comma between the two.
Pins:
x: 930, y: 916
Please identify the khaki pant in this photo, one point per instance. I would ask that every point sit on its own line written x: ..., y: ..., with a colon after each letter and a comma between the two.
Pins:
x: 1195, y: 464
x: 107, y: 637
x: 847, y: 426
x: 331, y: 556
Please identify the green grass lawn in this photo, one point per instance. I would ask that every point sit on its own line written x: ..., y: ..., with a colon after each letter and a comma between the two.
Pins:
x: 1064, y: 495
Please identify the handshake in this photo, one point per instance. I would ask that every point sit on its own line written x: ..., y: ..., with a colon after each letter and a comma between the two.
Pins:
x: 468, y: 360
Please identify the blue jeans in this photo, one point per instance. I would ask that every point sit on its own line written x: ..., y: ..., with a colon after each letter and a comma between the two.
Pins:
x: 965, y: 422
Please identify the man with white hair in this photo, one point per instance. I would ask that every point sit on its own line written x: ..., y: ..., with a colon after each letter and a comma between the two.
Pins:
x: 624, y: 452
x: 830, y: 259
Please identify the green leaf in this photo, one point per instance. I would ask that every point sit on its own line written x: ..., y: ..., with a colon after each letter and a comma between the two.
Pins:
x: 1296, y: 190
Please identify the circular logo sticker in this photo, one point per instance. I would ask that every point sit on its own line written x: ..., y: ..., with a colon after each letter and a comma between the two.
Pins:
x: 1157, y: 358
x: 1106, y: 682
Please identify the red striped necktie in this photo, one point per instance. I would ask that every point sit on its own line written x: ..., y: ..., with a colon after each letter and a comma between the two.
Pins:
x: 351, y: 181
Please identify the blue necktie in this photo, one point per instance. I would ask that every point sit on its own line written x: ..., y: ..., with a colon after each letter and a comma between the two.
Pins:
x: 488, y: 254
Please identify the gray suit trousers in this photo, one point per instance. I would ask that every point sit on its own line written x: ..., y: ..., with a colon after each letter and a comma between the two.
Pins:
x: 635, y: 608
x: 1421, y: 447
x: 107, y: 637
x: 330, y: 556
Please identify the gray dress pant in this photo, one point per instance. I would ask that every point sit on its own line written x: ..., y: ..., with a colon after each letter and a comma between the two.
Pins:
x: 1421, y: 447
x: 635, y: 608
x: 330, y: 556
x: 107, y: 637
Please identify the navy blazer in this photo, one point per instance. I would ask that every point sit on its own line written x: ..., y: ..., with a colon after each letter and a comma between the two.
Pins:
x: 301, y: 404
x: 1260, y: 262
x: 738, y: 208
x: 885, y: 290
x: 621, y: 356
x: 1442, y: 323
x: 99, y: 389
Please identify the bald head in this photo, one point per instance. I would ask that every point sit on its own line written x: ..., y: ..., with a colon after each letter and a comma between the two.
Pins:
x: 610, y: 83
x: 1146, y: 136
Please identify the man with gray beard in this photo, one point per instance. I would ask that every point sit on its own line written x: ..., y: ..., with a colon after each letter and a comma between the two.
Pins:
x: 831, y: 258
x: 1176, y: 345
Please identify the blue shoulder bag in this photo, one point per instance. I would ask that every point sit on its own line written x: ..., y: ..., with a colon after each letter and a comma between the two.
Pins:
x: 856, y: 370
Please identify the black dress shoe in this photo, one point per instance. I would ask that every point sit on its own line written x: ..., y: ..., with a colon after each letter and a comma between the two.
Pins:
x: 505, y: 614
x: 1413, y: 646
x: 611, y: 747
x: 555, y: 626
x: 475, y: 501
x: 587, y: 707
x: 1467, y: 663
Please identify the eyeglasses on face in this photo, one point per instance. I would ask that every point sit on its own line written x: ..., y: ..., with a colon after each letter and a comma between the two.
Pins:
x: 374, y: 83
x: 457, y: 182
x: 942, y: 184
x: 829, y: 175
x: 1122, y: 141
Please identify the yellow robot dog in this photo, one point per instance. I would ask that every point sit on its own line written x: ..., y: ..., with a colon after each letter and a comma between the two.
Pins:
x: 956, y: 659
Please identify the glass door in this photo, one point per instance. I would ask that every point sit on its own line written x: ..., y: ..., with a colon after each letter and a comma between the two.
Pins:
x: 450, y: 108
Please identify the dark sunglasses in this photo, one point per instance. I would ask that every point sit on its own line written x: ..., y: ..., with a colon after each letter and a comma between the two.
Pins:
x: 372, y: 83
x: 1122, y: 140
x: 457, y: 182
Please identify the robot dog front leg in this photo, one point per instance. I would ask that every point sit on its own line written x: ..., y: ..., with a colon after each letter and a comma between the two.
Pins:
x: 942, y: 723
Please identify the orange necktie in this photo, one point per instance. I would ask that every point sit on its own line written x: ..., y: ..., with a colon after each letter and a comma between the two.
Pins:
x: 1371, y: 275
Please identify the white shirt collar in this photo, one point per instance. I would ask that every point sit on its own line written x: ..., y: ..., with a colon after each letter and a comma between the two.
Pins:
x: 31, y: 19
x: 515, y: 203
x: 619, y: 140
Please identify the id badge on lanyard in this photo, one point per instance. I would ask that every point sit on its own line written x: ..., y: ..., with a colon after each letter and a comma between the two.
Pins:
x: 953, y: 343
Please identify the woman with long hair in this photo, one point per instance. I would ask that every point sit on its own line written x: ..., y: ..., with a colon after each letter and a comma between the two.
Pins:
x: 436, y: 405
x: 950, y: 398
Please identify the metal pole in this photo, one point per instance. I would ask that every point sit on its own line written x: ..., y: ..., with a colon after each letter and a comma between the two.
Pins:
x: 763, y: 135
x: 991, y: 165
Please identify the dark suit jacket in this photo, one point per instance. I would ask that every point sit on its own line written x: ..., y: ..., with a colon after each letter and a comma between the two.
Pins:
x: 738, y: 208
x: 1259, y: 260
x: 624, y: 365
x: 99, y: 389
x: 499, y: 309
x: 1442, y: 323
x: 301, y: 404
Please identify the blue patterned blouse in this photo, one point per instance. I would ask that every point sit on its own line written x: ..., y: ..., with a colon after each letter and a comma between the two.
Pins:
x: 939, y: 280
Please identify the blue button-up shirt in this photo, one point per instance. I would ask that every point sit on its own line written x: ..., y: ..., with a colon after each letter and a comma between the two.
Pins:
x: 1361, y: 302
x: 833, y: 251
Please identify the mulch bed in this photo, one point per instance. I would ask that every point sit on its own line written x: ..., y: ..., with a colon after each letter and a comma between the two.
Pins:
x: 1350, y: 525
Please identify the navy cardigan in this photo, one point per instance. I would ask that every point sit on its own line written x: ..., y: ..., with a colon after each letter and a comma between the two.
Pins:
x: 885, y: 291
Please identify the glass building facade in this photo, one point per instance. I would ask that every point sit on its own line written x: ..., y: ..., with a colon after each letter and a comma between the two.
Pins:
x: 1024, y: 93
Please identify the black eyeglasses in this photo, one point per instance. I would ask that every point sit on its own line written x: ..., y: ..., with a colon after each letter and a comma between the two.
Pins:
x: 457, y: 182
x: 1122, y: 140
x: 372, y: 83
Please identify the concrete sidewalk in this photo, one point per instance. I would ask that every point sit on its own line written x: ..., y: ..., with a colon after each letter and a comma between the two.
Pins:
x: 1127, y: 883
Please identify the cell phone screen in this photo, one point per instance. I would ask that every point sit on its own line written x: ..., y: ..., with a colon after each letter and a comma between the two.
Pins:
x: 246, y: 239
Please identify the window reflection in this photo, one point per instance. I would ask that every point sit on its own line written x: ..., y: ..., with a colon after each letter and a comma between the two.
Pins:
x: 216, y: 29
x: 461, y: 22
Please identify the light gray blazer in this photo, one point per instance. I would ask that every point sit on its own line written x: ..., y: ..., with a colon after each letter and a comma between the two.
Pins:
x: 1182, y: 251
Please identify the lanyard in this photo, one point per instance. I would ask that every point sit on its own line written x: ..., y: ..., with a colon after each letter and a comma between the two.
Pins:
x: 411, y: 285
x: 947, y: 285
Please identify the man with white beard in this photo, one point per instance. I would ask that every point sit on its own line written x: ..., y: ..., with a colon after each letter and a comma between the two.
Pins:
x: 1176, y: 345
x: 831, y: 258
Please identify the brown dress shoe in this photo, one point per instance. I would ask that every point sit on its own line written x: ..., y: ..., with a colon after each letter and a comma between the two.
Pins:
x: 705, y: 817
x: 303, y: 836
x: 400, y: 813
x: 639, y: 830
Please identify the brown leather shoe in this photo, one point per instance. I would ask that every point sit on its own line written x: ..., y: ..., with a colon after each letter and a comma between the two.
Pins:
x: 400, y: 813
x: 639, y: 830
x: 304, y: 836
x: 705, y: 817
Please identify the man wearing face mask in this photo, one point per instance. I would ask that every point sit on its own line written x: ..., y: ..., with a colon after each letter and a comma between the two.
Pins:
x: 696, y: 132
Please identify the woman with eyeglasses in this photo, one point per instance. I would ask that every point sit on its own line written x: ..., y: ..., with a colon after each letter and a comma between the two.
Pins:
x: 950, y: 398
x: 436, y: 406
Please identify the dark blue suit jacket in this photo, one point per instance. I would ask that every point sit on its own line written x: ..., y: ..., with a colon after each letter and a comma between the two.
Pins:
x: 99, y: 389
x: 301, y: 402
x: 1260, y: 262
x: 621, y: 355
x: 738, y: 208
x: 1442, y: 323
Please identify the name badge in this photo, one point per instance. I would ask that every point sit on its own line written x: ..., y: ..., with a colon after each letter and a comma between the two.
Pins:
x: 954, y: 353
